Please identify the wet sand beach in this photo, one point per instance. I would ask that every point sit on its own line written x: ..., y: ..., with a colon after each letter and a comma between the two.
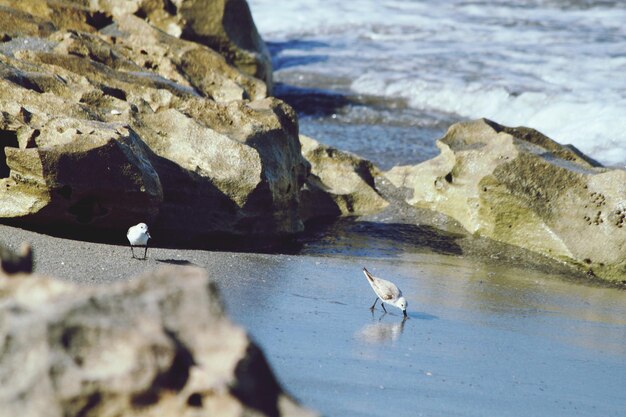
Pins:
x: 481, y: 339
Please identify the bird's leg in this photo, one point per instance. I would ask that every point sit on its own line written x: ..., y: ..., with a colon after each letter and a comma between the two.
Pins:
x: 374, y: 305
x: 145, y: 252
x: 132, y: 251
x: 383, y: 305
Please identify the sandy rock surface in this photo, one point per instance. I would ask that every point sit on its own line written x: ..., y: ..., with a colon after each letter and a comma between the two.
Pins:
x: 108, y: 119
x: 517, y: 186
x: 340, y: 183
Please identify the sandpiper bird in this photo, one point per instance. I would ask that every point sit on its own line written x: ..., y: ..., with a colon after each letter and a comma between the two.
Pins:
x: 138, y: 236
x: 387, y: 291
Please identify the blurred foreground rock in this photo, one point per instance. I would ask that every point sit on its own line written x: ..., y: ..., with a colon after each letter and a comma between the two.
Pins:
x: 115, y: 112
x: 16, y: 262
x: 159, y: 345
x: 517, y: 186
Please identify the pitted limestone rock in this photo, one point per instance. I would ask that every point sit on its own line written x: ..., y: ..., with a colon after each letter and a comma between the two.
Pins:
x: 518, y: 186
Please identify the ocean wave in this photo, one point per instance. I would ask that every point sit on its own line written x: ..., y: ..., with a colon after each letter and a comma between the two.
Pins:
x: 556, y: 66
x: 598, y: 128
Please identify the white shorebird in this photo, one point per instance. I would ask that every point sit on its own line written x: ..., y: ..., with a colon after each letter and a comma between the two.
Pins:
x: 387, y: 291
x: 138, y: 236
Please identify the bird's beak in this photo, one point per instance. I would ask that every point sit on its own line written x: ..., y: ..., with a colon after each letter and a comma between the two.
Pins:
x: 148, y: 234
x: 405, y: 315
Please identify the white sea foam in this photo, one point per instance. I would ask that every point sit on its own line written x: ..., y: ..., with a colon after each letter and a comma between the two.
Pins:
x: 559, y: 67
x: 596, y: 128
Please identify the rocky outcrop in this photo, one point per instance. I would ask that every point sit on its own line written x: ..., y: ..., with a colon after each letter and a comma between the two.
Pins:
x: 517, y: 186
x: 158, y: 345
x: 76, y: 171
x: 340, y: 184
x: 106, y: 120
x: 185, y: 62
x: 225, y: 26
x: 246, y: 183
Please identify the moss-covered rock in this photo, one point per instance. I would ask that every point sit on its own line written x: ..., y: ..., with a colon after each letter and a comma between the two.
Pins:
x: 517, y: 186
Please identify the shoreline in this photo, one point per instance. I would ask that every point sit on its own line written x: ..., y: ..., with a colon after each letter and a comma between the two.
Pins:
x: 467, y: 318
x: 73, y: 260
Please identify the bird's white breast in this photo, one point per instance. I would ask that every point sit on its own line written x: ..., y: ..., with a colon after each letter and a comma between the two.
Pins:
x: 137, y: 237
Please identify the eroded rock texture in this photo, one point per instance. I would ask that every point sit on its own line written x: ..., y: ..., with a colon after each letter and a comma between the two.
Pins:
x: 115, y: 112
x: 158, y: 345
x: 340, y: 184
x: 518, y: 186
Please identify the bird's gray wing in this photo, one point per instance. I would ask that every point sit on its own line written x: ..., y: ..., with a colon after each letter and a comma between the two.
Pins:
x: 386, y: 289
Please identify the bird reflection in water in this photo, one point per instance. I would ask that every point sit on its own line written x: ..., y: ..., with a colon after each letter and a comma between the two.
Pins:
x: 381, y: 332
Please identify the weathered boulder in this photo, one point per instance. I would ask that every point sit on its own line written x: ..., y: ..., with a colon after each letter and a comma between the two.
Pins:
x: 75, y: 171
x: 143, y: 53
x: 340, y: 183
x: 157, y: 345
x: 245, y: 183
x: 187, y: 63
x: 225, y: 26
x: 517, y: 186
x: 107, y: 121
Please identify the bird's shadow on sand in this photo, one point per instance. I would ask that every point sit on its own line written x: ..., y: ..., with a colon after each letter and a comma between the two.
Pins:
x: 181, y: 262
